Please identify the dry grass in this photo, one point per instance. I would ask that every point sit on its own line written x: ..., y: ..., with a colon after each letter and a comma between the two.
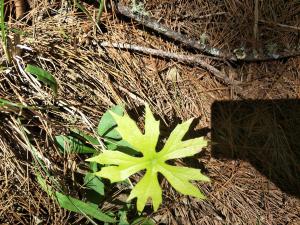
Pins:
x: 230, y: 24
x: 92, y: 78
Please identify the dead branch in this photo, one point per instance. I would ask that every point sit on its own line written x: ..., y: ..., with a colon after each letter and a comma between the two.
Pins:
x: 191, y: 59
x: 192, y: 43
x: 158, y: 27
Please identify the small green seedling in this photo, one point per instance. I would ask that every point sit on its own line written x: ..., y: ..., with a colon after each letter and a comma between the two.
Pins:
x: 121, y: 166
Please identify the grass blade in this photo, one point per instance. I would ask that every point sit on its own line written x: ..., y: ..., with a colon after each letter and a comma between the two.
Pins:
x: 100, y: 10
x: 43, y: 76
x: 3, y: 31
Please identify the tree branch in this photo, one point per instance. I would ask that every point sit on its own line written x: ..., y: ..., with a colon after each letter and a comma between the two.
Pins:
x: 192, y: 43
x: 191, y: 59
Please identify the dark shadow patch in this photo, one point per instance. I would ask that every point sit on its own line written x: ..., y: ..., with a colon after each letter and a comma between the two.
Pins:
x: 264, y: 132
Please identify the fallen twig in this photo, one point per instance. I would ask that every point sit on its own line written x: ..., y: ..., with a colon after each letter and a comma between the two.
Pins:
x: 158, y: 27
x: 252, y: 56
x: 297, y: 28
x: 191, y: 59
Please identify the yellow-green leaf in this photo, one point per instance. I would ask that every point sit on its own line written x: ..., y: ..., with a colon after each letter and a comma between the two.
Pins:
x: 121, y: 166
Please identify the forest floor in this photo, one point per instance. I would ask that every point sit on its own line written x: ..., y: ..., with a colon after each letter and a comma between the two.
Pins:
x: 251, y: 114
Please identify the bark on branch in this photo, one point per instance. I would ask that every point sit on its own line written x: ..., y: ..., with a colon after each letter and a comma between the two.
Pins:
x: 192, y: 43
x: 191, y: 59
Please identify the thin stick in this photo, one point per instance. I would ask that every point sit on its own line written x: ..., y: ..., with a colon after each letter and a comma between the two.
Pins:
x: 281, y: 25
x: 191, y: 59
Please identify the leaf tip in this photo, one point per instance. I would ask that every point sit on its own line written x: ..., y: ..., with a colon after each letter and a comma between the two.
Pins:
x: 206, y: 179
x: 92, y: 159
x: 115, y: 115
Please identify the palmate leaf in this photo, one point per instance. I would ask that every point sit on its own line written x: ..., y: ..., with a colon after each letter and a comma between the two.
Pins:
x: 122, y: 166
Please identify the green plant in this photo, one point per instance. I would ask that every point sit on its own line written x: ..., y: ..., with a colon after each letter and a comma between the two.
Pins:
x: 93, y: 191
x: 124, y: 144
x: 8, y: 106
x: 54, y: 190
x: 2, y: 22
x: 80, y: 6
x: 123, y: 165
x: 43, y: 76
x: 100, y: 10
x: 3, y: 31
x: 75, y: 205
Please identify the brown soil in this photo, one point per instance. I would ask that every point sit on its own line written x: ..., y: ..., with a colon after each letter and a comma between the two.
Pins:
x: 253, y: 159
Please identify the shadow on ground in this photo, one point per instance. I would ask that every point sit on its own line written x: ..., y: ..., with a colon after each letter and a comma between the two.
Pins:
x: 264, y: 132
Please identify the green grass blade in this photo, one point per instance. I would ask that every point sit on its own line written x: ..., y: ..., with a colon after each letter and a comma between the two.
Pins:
x: 43, y: 76
x: 3, y: 31
x: 100, y: 10
x: 4, y: 102
x: 2, y: 22
x: 82, y: 8
x: 43, y: 184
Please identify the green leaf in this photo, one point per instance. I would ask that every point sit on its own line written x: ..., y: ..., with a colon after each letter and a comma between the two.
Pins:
x: 147, y: 187
x: 4, y: 102
x: 175, y: 148
x: 113, y: 144
x: 123, y: 217
x: 82, y: 135
x: 128, y: 165
x: 43, y: 76
x: 121, y: 165
x: 92, y: 197
x: 107, y: 123
x: 93, y: 182
x: 121, y: 146
x: 42, y: 182
x: 78, y: 206
x: 143, y: 221
x: 93, y: 166
x: 107, y: 130
x: 70, y: 144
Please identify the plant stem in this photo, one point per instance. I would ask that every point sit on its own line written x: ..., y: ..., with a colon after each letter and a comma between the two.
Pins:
x: 101, y: 6
x: 3, y: 31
